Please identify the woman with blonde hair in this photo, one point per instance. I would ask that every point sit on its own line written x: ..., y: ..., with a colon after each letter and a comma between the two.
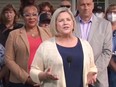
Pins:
x: 64, y: 60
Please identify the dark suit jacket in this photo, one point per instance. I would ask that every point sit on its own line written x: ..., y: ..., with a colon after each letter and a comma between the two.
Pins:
x: 100, y: 38
x: 17, y: 53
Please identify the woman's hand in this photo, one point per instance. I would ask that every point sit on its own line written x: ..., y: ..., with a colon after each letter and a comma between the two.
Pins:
x: 91, y: 78
x: 48, y: 75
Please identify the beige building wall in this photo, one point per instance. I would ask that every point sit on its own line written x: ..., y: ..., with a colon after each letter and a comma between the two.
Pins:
x: 16, y: 3
x: 55, y: 3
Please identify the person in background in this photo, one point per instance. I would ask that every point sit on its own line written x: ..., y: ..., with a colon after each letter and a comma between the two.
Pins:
x: 2, y: 62
x: 21, y: 46
x: 111, y: 16
x: 9, y: 22
x: 98, y: 11
x: 98, y: 32
x: 46, y: 7
x: 64, y: 60
x: 65, y: 3
x: 44, y: 20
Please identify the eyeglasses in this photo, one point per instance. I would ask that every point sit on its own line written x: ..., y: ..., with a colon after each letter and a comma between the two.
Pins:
x: 29, y: 15
x: 68, y: 6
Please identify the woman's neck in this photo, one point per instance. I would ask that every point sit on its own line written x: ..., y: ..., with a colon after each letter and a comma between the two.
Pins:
x: 66, y: 41
x: 65, y: 37
x: 9, y: 24
x: 33, y: 31
x: 31, y: 28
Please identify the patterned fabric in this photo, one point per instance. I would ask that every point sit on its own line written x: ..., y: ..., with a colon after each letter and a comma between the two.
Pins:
x: 114, y: 40
x: 2, y: 49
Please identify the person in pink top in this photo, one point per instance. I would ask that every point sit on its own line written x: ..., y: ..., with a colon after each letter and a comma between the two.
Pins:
x: 21, y: 46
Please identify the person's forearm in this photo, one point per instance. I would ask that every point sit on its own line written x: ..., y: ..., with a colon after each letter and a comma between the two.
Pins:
x: 4, y: 71
x: 113, y: 64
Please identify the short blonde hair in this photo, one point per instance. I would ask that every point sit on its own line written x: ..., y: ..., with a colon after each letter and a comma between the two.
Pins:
x: 53, y: 27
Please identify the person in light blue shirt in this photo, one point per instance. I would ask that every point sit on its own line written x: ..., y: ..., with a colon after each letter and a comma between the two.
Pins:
x: 111, y: 16
x: 2, y: 49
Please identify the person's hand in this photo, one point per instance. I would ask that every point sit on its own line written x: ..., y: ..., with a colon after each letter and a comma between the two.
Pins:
x: 91, y: 78
x: 48, y: 75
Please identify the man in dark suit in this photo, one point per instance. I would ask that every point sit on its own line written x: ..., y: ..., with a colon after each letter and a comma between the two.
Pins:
x: 98, y: 33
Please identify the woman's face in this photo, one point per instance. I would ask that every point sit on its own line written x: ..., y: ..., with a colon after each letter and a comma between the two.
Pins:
x: 46, y: 9
x: 111, y: 15
x: 30, y: 16
x: 64, y: 23
x: 10, y: 15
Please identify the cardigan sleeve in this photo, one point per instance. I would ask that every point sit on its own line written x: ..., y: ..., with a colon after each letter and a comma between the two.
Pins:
x: 93, y: 67
x: 89, y: 56
x: 37, y: 65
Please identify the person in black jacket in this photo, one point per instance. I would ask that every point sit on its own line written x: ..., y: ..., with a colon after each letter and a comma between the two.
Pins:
x: 8, y: 22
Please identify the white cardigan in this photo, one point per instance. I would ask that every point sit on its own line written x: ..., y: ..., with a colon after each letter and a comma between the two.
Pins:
x: 47, y: 56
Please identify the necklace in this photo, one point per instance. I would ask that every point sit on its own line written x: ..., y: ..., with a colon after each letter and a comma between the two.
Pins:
x: 33, y: 32
x: 33, y: 35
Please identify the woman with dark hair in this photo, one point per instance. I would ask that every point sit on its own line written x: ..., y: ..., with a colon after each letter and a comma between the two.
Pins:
x: 8, y: 18
x: 8, y: 22
x: 46, y: 10
x: 46, y: 7
x: 21, y: 46
x: 24, y: 3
